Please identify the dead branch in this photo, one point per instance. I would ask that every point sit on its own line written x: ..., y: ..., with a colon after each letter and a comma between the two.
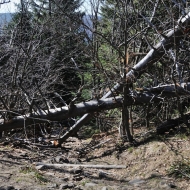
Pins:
x: 172, y: 123
x: 170, y: 90
x: 81, y: 166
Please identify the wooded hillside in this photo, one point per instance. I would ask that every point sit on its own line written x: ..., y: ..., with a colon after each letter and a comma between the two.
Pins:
x: 127, y: 67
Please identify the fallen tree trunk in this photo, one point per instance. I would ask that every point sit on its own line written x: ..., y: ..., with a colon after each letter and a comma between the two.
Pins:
x: 149, y: 95
x: 171, y: 39
x: 172, y: 123
x: 62, y: 113
x: 135, y: 99
x: 81, y: 166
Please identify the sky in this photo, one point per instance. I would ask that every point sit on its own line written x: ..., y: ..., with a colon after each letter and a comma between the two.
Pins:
x: 10, y: 7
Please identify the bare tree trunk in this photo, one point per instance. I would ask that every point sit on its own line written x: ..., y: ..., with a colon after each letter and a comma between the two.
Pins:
x: 125, y: 116
x: 125, y: 112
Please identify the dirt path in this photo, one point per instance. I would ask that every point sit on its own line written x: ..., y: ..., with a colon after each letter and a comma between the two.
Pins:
x: 147, y: 165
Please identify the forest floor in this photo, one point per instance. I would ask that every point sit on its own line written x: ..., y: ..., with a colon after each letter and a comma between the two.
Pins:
x: 154, y: 162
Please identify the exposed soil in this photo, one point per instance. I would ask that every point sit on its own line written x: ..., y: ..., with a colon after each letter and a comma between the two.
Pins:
x: 148, y: 163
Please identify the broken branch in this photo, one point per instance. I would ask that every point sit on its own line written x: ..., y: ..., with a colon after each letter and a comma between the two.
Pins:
x: 81, y: 166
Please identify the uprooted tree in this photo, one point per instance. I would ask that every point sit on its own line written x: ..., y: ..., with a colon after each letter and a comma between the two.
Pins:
x: 57, y: 64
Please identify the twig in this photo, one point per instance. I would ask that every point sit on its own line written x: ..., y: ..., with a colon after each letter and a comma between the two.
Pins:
x: 98, y: 145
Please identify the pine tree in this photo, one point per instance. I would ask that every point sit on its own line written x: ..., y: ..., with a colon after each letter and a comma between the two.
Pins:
x: 63, y: 38
x: 49, y: 42
x: 22, y: 21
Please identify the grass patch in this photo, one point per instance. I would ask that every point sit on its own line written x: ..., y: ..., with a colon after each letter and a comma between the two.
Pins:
x: 83, y: 183
x: 37, y: 175
x: 180, y: 169
x: 130, y: 149
x: 88, y: 131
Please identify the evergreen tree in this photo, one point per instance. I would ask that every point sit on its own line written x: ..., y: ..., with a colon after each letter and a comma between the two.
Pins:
x: 21, y: 20
x: 47, y: 40
x: 63, y: 36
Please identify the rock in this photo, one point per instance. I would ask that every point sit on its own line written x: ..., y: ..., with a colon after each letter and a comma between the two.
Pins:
x: 40, y: 167
x: 165, y: 185
x: 124, y: 188
x: 63, y: 186
x: 136, y: 182
x: 76, y: 171
x: 102, y: 174
x: 172, y: 185
x: 104, y: 188
x: 58, y: 159
x: 52, y: 185
x: 90, y: 184
x: 78, y: 188
x: 49, y: 173
x: 10, y: 188
x: 70, y: 185
x: 78, y: 178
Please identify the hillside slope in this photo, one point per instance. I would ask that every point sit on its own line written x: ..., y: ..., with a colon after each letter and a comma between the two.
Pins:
x: 153, y: 163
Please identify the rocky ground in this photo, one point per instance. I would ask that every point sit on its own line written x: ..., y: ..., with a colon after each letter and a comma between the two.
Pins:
x: 151, y: 163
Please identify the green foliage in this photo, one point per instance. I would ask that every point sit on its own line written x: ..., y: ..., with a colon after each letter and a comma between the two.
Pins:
x: 86, y: 94
x: 89, y: 130
x: 130, y: 149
